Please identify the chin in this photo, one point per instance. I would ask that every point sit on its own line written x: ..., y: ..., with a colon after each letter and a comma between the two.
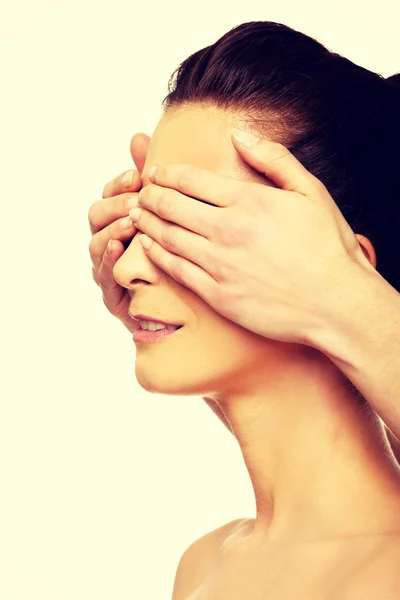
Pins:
x: 165, y: 383
x: 162, y: 385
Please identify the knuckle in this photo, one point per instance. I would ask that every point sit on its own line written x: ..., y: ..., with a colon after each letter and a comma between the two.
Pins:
x: 165, y: 207
x: 178, y: 271
x: 169, y: 237
x: 221, y: 227
x: 231, y: 231
x: 185, y: 179
x: 226, y: 269
x: 318, y: 185
x: 279, y: 151
x: 221, y: 298
x: 92, y: 214
x: 101, y: 276
x: 258, y: 201
x: 93, y: 249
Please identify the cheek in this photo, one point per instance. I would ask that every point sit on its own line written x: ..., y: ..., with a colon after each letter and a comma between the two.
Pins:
x: 227, y: 345
x: 209, y: 357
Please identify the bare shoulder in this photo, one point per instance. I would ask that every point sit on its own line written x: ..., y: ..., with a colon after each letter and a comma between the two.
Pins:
x: 199, y: 557
x: 379, y: 575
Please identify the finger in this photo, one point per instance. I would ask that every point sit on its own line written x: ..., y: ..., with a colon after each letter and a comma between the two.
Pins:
x: 201, y: 184
x: 184, y: 272
x: 99, y: 241
x: 104, y: 212
x: 176, y: 239
x: 171, y: 205
x: 115, y: 297
x: 139, y: 148
x: 276, y: 162
x: 112, y: 253
x: 127, y: 181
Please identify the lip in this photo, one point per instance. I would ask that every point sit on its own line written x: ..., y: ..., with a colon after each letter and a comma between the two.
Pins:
x: 141, y: 336
x: 147, y: 318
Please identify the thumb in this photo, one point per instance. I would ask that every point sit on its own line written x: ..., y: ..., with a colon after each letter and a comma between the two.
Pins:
x: 139, y: 147
x: 277, y: 163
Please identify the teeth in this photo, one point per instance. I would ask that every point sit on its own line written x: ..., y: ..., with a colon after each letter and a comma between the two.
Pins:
x: 151, y: 325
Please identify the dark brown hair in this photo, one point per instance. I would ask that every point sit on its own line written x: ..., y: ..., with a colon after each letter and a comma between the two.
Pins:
x: 339, y: 119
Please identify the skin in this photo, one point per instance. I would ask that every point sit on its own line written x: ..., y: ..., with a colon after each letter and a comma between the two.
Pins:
x: 106, y: 218
x: 318, y: 459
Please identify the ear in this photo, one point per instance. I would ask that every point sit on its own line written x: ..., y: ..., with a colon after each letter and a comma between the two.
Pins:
x: 367, y: 248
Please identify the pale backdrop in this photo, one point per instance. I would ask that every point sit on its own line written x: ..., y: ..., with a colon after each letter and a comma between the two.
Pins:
x: 86, y: 455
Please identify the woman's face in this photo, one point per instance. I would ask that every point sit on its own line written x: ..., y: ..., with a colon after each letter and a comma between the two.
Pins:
x: 209, y: 355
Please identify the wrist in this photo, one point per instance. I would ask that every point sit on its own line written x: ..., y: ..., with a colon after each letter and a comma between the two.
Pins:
x: 361, y: 336
x: 357, y: 325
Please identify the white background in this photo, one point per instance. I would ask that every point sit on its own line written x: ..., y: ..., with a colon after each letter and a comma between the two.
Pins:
x: 103, y: 485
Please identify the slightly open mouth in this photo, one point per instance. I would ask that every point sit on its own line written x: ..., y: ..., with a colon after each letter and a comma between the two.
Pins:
x: 175, y: 328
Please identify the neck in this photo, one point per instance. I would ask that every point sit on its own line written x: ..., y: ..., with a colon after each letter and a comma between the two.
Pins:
x: 317, y: 455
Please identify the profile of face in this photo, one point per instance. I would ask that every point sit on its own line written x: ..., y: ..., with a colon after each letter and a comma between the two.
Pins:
x: 210, y: 355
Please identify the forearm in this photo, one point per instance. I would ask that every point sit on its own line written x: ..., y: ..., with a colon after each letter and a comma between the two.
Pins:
x: 361, y: 335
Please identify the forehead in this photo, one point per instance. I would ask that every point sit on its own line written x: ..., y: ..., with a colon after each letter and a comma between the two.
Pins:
x: 199, y: 136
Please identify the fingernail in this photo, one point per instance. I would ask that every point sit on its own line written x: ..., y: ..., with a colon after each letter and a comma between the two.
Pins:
x: 145, y: 241
x: 152, y: 173
x: 132, y: 201
x: 126, y: 223
x: 109, y: 248
x: 135, y: 213
x: 245, y: 138
x: 128, y: 179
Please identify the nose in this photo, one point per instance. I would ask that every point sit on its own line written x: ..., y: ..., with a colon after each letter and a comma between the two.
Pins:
x: 134, y: 266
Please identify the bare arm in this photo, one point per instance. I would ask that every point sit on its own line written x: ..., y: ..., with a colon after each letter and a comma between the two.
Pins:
x: 391, y: 386
x: 362, y: 337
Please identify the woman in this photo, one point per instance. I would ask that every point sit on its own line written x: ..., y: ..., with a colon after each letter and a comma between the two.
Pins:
x: 326, y: 485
